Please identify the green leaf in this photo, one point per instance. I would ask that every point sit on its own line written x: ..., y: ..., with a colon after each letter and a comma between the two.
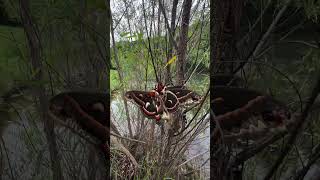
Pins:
x: 140, y: 36
x: 35, y: 72
x: 132, y: 36
x: 123, y: 34
x: 97, y: 4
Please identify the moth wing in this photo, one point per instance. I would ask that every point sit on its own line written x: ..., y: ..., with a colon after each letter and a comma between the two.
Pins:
x: 146, y: 103
x: 184, y: 95
x: 171, y: 101
x: 176, y: 87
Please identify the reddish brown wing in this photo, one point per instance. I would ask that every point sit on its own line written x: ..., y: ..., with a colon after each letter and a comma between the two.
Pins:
x: 184, y: 94
x: 171, y: 101
x: 93, y: 103
x: 65, y: 105
x: 147, y: 102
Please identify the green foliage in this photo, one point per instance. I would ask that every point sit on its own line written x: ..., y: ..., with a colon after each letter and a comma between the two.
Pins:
x: 94, y: 5
x: 137, y: 36
x: 311, y: 8
x: 311, y: 60
x: 10, y: 57
x: 136, y: 62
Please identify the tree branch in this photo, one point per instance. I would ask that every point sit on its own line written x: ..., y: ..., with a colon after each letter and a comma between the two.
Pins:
x: 297, y: 128
x: 312, y: 159
x: 120, y: 73
x: 264, y: 36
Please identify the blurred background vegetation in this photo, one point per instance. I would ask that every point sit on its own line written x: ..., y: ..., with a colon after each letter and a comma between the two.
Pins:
x: 74, y: 50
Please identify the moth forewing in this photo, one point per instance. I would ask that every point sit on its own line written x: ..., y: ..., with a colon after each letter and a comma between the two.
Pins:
x: 147, y: 101
x: 137, y: 97
x: 184, y: 94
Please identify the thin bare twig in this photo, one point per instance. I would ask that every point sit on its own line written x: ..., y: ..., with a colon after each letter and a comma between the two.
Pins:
x: 8, y: 159
x: 129, y: 139
x: 193, y: 157
x: 265, y: 35
x: 255, y: 23
x: 149, y: 45
x: 168, y: 26
x: 120, y: 73
x: 312, y: 159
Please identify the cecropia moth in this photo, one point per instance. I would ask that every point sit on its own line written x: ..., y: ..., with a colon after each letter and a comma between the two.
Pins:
x: 162, y: 99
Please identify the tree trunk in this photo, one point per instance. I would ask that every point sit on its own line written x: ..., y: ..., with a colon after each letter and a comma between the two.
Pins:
x: 171, y: 44
x: 96, y: 76
x: 33, y: 38
x: 183, y: 39
x: 224, y: 25
x: 108, y: 64
x: 5, y: 20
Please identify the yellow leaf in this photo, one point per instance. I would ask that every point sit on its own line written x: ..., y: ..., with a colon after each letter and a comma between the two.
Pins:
x: 174, y: 58
x: 35, y: 72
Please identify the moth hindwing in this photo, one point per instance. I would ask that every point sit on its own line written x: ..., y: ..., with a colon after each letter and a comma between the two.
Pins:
x: 171, y: 101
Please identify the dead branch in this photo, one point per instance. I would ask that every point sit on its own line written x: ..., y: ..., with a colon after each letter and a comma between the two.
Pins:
x: 129, y: 139
x: 170, y: 30
x: 256, y: 148
x: 312, y: 159
x: 264, y: 37
x: 296, y: 130
x: 190, y: 159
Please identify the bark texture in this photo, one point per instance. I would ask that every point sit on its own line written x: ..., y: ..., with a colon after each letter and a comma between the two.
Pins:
x: 183, y: 39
